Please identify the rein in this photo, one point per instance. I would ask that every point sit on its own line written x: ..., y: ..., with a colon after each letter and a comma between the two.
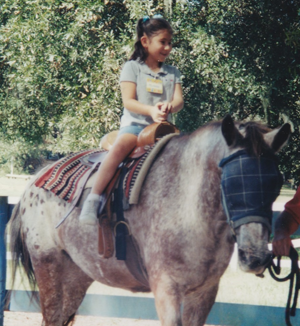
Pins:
x: 293, y: 276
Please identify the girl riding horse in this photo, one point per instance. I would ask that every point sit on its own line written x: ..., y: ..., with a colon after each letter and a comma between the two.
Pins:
x: 151, y: 92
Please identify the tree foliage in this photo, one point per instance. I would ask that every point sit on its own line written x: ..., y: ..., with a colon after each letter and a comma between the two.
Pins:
x: 60, y: 63
x: 264, y: 37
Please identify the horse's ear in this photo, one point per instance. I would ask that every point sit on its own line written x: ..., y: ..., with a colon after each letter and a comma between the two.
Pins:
x: 228, y: 130
x: 277, y: 138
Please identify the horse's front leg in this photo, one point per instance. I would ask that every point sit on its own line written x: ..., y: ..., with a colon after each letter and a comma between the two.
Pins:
x: 167, y: 301
x: 197, y: 305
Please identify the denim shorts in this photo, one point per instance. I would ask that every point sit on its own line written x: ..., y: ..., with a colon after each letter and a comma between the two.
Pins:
x: 134, y: 130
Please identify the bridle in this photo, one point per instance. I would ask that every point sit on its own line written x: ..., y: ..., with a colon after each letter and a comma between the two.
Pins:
x: 294, y: 277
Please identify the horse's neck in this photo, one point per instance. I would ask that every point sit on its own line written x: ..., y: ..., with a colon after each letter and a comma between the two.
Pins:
x: 206, y: 147
x: 195, y: 159
x: 198, y: 175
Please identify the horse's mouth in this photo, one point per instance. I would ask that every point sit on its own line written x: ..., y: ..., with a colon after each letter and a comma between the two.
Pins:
x: 255, y: 264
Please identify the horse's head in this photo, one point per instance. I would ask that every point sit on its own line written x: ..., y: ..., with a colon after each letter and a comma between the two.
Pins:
x: 251, y: 182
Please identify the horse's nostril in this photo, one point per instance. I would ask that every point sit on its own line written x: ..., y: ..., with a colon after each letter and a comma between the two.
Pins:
x: 255, y: 263
x: 242, y: 255
x: 259, y: 261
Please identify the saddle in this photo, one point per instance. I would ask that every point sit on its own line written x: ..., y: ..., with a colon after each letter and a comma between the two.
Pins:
x: 149, y: 135
x: 114, y: 192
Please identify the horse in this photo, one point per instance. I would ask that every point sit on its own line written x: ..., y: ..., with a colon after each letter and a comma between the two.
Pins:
x: 185, y: 226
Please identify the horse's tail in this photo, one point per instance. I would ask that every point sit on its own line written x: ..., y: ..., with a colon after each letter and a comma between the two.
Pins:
x: 18, y: 249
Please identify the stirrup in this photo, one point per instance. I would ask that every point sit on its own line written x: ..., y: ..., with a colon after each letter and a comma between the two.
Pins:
x: 102, y: 203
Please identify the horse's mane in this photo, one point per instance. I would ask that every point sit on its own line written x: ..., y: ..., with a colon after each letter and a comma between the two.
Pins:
x: 252, y: 140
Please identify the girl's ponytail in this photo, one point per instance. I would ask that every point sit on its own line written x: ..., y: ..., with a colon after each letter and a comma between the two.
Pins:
x: 147, y: 26
x: 139, y: 51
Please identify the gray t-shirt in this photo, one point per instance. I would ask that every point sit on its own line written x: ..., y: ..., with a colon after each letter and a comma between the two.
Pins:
x: 138, y: 73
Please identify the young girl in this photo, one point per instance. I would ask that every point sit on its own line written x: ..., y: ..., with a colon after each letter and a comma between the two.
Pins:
x: 150, y: 91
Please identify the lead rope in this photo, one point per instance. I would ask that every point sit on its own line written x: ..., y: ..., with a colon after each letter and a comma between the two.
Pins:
x: 294, y: 275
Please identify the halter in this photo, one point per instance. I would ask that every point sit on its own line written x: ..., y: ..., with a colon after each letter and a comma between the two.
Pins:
x: 249, y: 187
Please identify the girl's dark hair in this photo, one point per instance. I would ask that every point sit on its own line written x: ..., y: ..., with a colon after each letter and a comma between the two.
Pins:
x: 150, y: 27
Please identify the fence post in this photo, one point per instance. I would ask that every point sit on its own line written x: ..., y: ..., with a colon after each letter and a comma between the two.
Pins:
x: 4, y: 211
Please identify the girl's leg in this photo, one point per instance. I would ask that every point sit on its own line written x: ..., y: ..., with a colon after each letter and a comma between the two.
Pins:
x: 124, y: 144
x: 121, y: 149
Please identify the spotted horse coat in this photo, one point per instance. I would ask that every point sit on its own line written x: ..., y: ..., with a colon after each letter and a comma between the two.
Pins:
x: 179, y: 224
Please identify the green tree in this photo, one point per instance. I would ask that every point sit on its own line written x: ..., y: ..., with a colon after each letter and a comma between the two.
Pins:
x: 264, y: 37
x: 62, y: 62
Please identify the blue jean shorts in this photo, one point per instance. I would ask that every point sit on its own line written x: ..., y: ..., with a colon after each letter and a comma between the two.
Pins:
x: 134, y: 130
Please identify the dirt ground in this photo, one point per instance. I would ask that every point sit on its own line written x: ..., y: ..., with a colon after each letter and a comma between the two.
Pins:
x: 35, y: 319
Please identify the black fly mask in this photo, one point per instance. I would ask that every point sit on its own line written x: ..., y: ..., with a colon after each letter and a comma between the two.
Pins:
x: 249, y: 185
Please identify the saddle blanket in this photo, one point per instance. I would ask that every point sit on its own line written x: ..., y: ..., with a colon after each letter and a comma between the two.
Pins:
x: 64, y: 176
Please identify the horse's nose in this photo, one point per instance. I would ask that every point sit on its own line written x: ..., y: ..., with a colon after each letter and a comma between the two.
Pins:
x: 254, y: 261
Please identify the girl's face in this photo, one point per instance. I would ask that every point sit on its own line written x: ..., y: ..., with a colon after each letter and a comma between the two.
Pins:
x: 158, y: 46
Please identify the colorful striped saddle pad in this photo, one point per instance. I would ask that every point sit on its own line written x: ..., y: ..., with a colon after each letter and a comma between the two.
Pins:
x: 64, y: 178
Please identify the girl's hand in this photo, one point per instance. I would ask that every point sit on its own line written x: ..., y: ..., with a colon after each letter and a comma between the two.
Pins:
x: 166, y: 108
x: 158, y: 113
x: 281, y: 243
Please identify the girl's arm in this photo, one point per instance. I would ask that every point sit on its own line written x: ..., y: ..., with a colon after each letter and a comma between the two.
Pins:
x: 128, y: 91
x: 177, y: 102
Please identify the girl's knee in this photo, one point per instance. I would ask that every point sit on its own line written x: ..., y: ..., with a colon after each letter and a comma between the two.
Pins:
x: 123, y: 147
x: 126, y: 143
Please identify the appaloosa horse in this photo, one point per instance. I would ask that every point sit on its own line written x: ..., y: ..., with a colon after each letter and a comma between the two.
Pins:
x: 180, y: 226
